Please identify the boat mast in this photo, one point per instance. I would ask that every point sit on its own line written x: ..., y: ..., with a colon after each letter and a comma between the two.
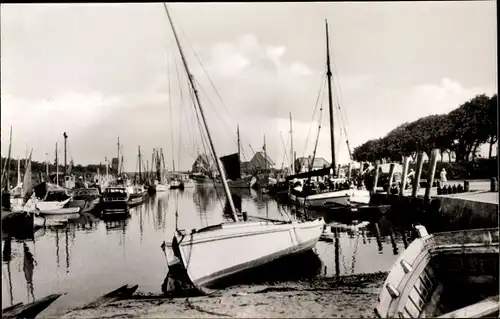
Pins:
x: 6, y: 166
x: 265, y: 154
x: 65, y: 152
x: 291, y: 148
x: 238, y: 134
x: 330, y: 100
x: 118, y: 164
x: 57, y: 168
x: 47, y: 166
x: 214, y: 153
x: 18, y: 171
x: 140, y: 173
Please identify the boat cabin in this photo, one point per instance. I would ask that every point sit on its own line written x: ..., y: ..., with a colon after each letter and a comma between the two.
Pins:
x: 115, y: 194
x: 83, y: 193
x: 56, y: 195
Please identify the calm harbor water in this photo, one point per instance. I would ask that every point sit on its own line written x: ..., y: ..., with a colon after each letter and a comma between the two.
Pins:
x: 88, y: 257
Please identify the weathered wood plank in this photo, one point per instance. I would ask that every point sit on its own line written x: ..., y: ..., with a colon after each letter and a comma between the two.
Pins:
x: 123, y: 292
x: 486, y: 307
x: 30, y: 310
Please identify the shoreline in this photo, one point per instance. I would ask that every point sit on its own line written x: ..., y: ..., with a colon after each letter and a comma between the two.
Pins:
x: 353, y: 296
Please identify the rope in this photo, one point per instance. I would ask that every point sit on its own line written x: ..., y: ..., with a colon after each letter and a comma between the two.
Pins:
x: 321, y: 88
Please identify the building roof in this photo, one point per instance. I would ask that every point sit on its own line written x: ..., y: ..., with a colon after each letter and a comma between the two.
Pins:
x: 319, y: 162
x: 265, y: 156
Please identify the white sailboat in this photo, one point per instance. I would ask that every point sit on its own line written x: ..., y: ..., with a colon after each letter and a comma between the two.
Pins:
x: 343, y: 193
x: 218, y: 251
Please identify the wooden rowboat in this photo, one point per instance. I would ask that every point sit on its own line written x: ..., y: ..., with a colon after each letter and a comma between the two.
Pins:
x: 444, y: 275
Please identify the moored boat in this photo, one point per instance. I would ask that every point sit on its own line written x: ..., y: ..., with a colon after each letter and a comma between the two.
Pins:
x: 425, y: 279
x: 115, y: 201
x: 136, y: 194
x: 210, y: 254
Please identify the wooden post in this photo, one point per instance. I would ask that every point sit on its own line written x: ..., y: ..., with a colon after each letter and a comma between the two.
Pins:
x: 375, y: 182
x: 406, y: 162
x: 418, y: 173
x: 391, y: 176
x: 349, y: 171
x: 432, y: 172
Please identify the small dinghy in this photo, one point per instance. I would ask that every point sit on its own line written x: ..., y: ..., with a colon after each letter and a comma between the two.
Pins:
x: 444, y: 275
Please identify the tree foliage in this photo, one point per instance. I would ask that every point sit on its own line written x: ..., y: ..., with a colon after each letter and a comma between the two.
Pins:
x: 461, y: 131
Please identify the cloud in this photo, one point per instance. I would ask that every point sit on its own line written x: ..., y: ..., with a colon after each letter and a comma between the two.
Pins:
x: 67, y: 68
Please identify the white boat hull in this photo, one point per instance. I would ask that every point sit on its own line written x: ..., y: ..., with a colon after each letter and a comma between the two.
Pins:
x: 340, y: 198
x: 226, y: 249
x: 161, y: 188
x: 61, y: 211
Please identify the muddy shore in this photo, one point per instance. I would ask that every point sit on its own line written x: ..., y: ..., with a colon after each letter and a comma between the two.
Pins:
x: 344, y: 297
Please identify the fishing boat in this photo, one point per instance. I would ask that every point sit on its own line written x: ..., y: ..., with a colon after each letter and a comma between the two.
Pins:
x: 336, y: 191
x: 136, y: 194
x: 210, y: 254
x: 85, y: 198
x: 114, y: 201
x: 444, y: 275
x: 176, y: 183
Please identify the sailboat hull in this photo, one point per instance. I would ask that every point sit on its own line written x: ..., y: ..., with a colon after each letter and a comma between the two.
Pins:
x: 244, y: 182
x: 215, y: 254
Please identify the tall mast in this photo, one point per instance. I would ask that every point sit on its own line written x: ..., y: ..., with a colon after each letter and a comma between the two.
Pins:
x: 118, y: 164
x: 214, y: 153
x: 57, y: 167
x: 140, y: 173
x: 18, y: 171
x: 6, y: 167
x: 265, y: 154
x: 65, y: 152
x: 171, y: 126
x: 238, y: 135
x: 291, y: 147
x: 330, y: 99
x: 47, y: 166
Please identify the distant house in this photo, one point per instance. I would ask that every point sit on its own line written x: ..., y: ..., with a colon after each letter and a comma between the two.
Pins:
x: 201, y: 164
x: 261, y: 161
x: 302, y: 164
x: 245, y: 168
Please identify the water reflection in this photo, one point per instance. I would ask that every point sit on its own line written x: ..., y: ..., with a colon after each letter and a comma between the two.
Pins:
x: 84, y: 254
x: 28, y: 267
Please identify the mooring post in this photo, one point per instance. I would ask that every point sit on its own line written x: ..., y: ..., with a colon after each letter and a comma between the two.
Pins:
x: 406, y: 163
x: 431, y: 173
x: 493, y: 184
x: 391, y: 177
x: 418, y: 174
x: 375, y: 182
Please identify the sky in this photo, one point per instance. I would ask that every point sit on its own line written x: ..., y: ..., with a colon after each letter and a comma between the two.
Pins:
x: 103, y: 71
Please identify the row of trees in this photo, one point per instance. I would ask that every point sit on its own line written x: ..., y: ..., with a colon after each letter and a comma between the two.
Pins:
x: 461, y: 132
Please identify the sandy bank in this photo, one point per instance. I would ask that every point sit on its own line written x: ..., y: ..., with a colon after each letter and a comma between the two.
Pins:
x: 345, y: 297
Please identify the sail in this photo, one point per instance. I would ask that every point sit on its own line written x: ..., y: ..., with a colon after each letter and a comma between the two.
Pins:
x: 232, y: 166
x: 318, y: 172
x: 27, y: 182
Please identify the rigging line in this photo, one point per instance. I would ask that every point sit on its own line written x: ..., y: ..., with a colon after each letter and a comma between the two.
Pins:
x: 181, y: 112
x: 209, y: 79
x: 222, y: 120
x: 204, y: 142
x: 285, y: 156
x: 215, y: 89
x: 317, y: 136
x: 321, y: 88
x: 170, y: 108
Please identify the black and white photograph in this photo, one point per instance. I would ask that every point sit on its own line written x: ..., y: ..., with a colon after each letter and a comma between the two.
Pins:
x: 249, y: 160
